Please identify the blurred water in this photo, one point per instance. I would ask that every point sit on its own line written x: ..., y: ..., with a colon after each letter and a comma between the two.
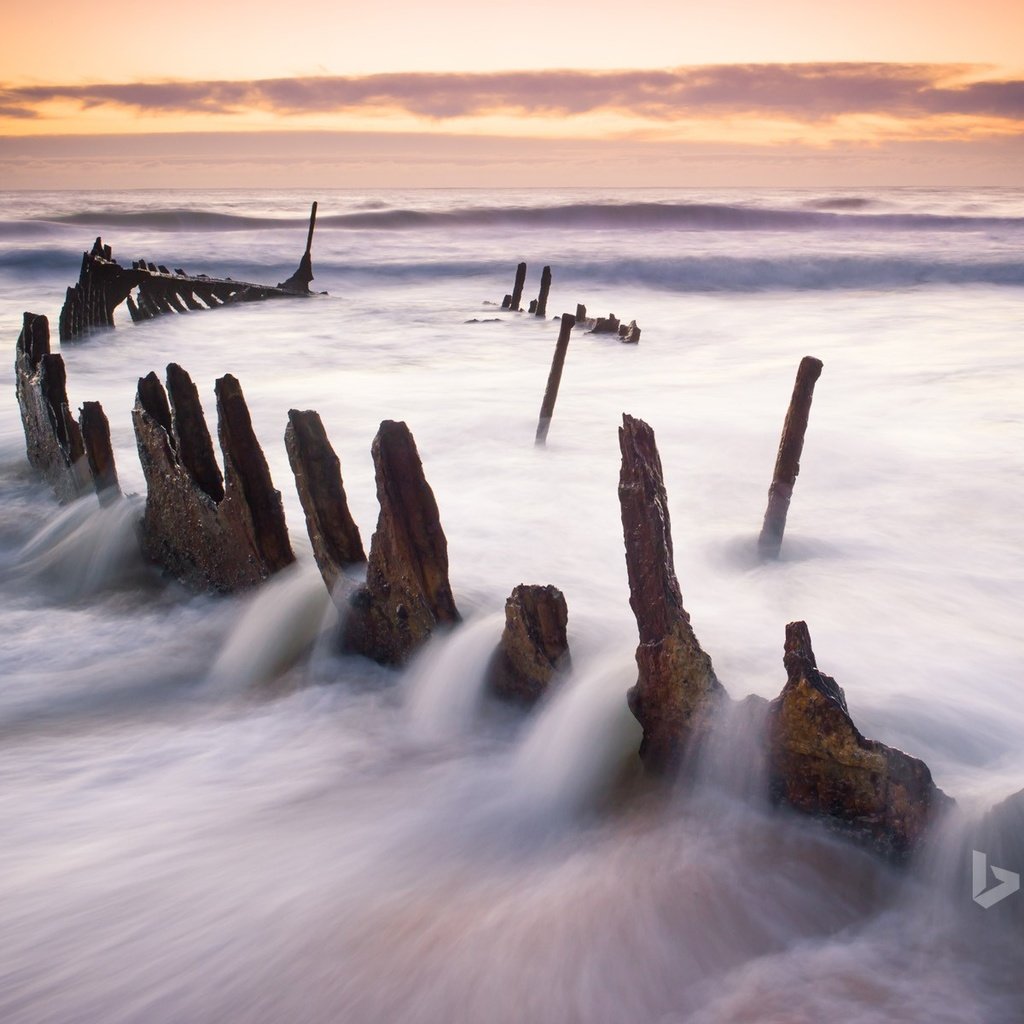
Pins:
x: 211, y: 815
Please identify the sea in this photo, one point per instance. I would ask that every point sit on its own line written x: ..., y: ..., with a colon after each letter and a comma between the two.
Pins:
x: 210, y: 814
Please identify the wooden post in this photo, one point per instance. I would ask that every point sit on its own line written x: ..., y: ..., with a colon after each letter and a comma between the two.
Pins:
x: 517, y: 289
x: 547, y: 408
x: 787, y: 462
x: 581, y: 313
x: 545, y: 287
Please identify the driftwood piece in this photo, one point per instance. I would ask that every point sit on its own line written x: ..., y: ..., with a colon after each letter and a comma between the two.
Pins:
x: 53, y: 440
x: 152, y: 290
x: 676, y: 690
x: 787, y: 461
x: 821, y: 765
x: 209, y: 534
x: 99, y: 452
x: 541, y: 307
x: 533, y: 646
x: 547, y: 407
x: 332, y: 531
x: 407, y: 594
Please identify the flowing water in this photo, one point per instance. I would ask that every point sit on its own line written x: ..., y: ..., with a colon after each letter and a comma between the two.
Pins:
x: 211, y: 815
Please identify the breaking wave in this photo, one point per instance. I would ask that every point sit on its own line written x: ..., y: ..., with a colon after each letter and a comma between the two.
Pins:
x: 829, y: 214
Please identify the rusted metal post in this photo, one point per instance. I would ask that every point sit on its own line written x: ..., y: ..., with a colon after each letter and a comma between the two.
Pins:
x: 547, y: 409
x: 99, y: 452
x: 517, y: 288
x: 542, y: 297
x: 787, y: 462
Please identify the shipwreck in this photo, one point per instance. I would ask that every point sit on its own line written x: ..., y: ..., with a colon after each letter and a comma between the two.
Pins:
x: 151, y: 289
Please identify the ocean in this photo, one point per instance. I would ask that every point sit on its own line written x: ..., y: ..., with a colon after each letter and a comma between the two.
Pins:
x: 212, y: 815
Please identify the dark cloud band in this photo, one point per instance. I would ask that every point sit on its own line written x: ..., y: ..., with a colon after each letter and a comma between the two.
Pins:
x: 806, y: 92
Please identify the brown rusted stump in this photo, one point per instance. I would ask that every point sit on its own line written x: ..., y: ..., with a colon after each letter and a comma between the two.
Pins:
x: 247, y: 473
x: 547, y: 407
x: 533, y: 646
x: 517, y: 288
x: 99, y: 452
x: 787, y: 462
x: 210, y: 532
x: 407, y: 594
x: 676, y: 690
x: 53, y: 440
x: 542, y: 296
x: 821, y: 765
x: 606, y: 325
x: 332, y: 531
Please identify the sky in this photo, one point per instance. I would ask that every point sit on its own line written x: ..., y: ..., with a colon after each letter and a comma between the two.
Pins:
x: 461, y: 93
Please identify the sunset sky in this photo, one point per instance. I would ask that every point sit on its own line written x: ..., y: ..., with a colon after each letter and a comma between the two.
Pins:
x: 563, y: 93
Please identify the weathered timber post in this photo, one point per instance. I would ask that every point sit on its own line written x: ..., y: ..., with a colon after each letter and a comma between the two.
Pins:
x: 581, y: 312
x: 246, y: 470
x: 542, y: 296
x: 53, y: 440
x: 517, y: 288
x: 547, y: 409
x: 533, y: 645
x: 820, y: 764
x: 99, y: 452
x: 332, y: 531
x: 407, y: 594
x: 787, y: 462
x: 677, y: 691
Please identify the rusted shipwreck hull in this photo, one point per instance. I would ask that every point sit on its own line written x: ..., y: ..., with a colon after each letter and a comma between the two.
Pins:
x: 151, y: 289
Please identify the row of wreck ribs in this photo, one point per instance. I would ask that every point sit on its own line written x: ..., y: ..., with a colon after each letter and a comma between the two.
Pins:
x: 226, y: 531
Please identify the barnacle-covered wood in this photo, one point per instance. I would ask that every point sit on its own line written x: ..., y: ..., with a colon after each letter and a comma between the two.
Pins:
x: 407, y: 594
x: 53, y: 440
x: 533, y: 645
x: 332, y: 531
x: 821, y: 765
x: 208, y: 534
x: 677, y: 690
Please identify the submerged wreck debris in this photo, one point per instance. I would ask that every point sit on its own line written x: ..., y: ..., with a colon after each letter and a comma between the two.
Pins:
x: 787, y: 462
x: 676, y: 690
x: 151, y: 290
x: 53, y: 439
x: 332, y: 531
x: 533, y: 646
x: 606, y: 325
x: 581, y: 313
x: 547, y: 406
x: 407, y: 594
x: 211, y: 532
x: 99, y: 452
x: 820, y: 764
x: 629, y: 334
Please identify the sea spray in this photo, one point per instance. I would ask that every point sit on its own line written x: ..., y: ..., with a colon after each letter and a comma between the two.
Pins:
x: 280, y: 623
x: 86, y: 549
x: 445, y: 684
x: 581, y: 742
